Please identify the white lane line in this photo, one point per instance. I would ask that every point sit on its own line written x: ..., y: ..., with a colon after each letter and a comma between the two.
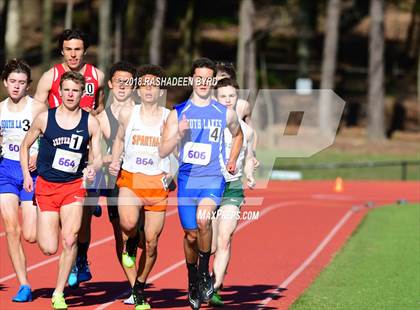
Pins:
x: 182, y: 262
x: 54, y: 258
x: 309, y: 260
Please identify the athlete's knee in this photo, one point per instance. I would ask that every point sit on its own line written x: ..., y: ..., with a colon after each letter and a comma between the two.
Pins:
x: 70, y: 240
x: 128, y: 224
x: 13, y: 231
x: 151, y: 246
x: 48, y: 248
x: 191, y: 237
x: 203, y: 224
x: 29, y: 235
x: 223, y: 241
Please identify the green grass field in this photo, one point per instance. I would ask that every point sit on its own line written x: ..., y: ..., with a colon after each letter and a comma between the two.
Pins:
x: 334, y: 156
x: 379, y: 268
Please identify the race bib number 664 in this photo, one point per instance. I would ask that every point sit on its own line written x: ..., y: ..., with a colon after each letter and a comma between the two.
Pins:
x: 66, y: 161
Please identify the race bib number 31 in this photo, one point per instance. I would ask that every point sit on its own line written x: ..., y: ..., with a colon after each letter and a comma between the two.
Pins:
x: 66, y: 161
x: 197, y: 153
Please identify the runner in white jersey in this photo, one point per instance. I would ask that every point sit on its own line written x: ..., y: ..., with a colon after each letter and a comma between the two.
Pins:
x: 227, y: 215
x: 243, y: 107
x: 16, y: 114
x: 142, y: 180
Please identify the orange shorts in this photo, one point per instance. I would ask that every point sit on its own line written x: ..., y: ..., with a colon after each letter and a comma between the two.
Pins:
x: 148, y: 188
x: 50, y: 196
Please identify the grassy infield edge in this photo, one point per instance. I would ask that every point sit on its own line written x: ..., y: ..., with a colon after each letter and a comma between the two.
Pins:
x: 336, y: 287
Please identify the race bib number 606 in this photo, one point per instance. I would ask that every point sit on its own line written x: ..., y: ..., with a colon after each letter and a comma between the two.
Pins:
x: 197, y: 153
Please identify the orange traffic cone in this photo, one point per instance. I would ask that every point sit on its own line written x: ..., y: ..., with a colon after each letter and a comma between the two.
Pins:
x: 338, y: 186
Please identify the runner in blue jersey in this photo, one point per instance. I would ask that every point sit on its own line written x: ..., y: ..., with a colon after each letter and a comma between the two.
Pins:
x: 196, y: 127
x: 16, y: 114
x: 62, y: 165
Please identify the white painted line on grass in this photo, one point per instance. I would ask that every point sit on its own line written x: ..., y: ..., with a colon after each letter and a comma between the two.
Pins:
x: 309, y: 260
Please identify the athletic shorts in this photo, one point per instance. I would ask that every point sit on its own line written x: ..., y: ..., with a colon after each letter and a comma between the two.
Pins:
x: 11, y: 179
x: 190, y: 195
x: 105, y: 185
x: 149, y: 188
x: 51, y: 196
x: 234, y: 194
x: 112, y: 199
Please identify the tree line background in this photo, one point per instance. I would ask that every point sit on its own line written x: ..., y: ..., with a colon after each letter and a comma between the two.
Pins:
x: 367, y: 51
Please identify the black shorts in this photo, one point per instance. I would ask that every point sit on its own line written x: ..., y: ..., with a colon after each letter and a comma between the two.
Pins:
x: 110, y: 191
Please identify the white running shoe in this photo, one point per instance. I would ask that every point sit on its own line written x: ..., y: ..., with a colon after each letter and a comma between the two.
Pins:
x: 129, y: 300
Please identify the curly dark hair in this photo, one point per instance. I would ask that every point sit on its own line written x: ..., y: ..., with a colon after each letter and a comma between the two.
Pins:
x: 152, y: 70
x: 122, y: 66
x: 18, y: 66
x: 226, y: 82
x: 203, y: 63
x: 69, y: 34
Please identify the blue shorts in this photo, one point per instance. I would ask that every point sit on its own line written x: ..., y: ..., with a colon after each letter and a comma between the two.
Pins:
x: 191, y: 191
x: 11, y: 179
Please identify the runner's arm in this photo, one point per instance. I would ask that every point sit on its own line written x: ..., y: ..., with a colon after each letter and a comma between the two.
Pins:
x: 118, y: 146
x: 37, y: 128
x: 43, y: 88
x: 247, y: 118
x: 95, y: 142
x: 100, y: 94
x: 237, y: 139
x: 170, y: 136
x: 249, y: 167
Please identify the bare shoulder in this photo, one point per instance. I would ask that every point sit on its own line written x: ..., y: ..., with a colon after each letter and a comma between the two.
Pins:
x: 38, y: 107
x: 125, y: 113
x: 244, y: 108
x: 101, y: 116
x: 40, y: 120
x: 172, y: 116
x: 47, y: 77
x: 1, y: 104
x: 101, y: 77
x: 231, y: 116
x: 244, y: 104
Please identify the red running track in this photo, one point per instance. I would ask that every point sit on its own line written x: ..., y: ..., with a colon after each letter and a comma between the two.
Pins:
x: 301, y: 226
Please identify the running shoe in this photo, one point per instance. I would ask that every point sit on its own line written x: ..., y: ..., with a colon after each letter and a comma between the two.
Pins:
x: 205, y: 286
x: 193, y: 297
x: 24, y: 294
x: 83, y: 268
x: 58, y: 302
x: 140, y: 301
x: 216, y: 300
x: 129, y: 256
x: 97, y: 211
x: 73, y: 279
x: 129, y: 300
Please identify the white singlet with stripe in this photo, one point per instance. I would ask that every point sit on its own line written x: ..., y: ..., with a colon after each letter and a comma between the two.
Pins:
x: 141, y: 145
x: 13, y: 127
x: 241, y: 158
